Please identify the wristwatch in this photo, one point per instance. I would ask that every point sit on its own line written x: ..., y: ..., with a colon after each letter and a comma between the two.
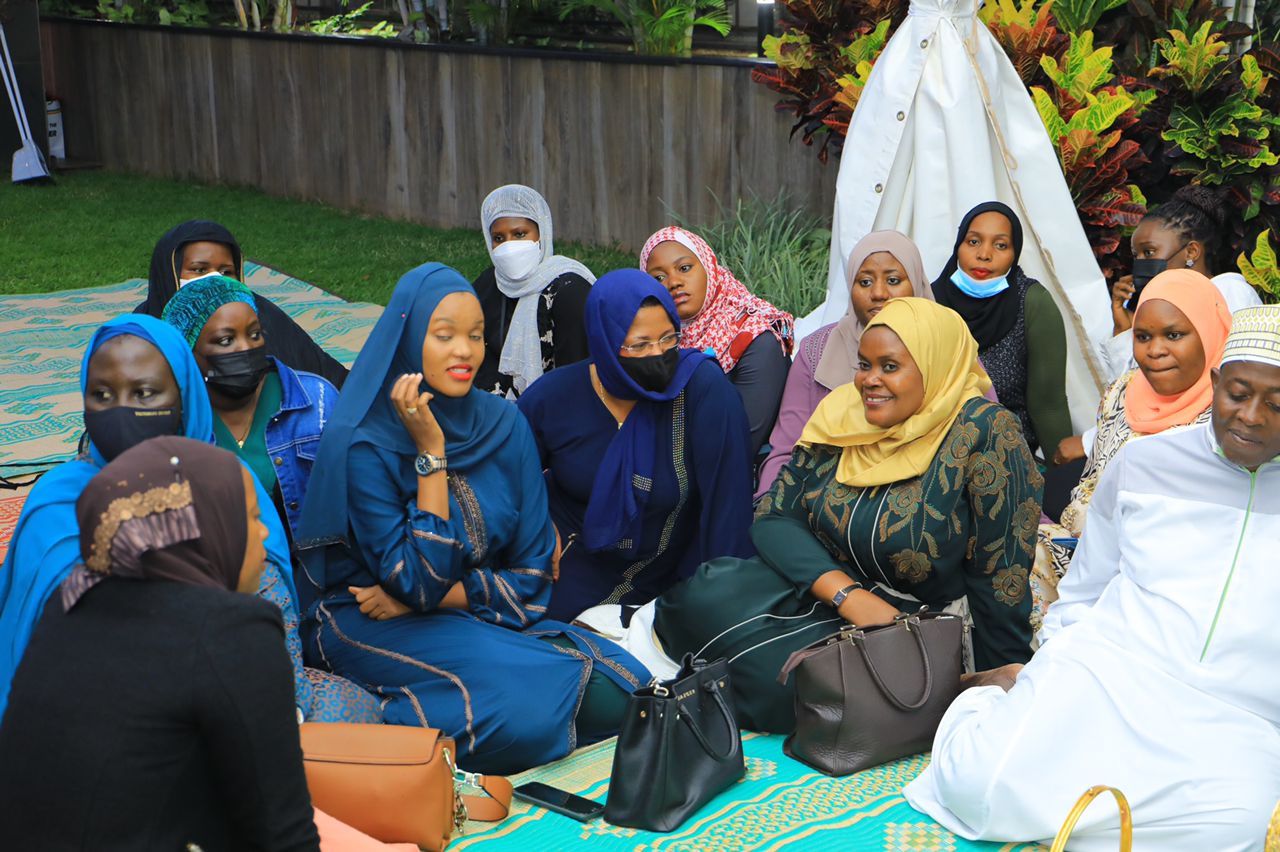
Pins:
x: 426, y: 464
x: 840, y: 596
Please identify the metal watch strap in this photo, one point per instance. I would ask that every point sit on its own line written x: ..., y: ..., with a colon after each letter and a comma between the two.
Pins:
x: 426, y: 464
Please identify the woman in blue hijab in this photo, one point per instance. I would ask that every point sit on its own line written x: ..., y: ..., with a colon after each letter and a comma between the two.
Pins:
x: 426, y: 540
x: 139, y: 380
x: 647, y: 453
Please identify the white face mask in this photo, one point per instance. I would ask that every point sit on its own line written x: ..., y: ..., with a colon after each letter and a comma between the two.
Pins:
x: 182, y: 282
x: 515, y: 259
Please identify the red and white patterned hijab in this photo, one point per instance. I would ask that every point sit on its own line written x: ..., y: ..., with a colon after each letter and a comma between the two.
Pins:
x: 731, y: 317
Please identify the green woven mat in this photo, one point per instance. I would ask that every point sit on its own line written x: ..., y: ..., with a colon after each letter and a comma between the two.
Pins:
x: 780, y: 804
x: 43, y: 335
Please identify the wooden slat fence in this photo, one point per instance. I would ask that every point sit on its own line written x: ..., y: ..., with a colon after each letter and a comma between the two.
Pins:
x: 423, y: 133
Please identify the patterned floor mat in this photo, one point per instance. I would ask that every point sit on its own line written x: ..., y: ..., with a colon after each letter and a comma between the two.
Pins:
x: 780, y: 804
x: 42, y: 339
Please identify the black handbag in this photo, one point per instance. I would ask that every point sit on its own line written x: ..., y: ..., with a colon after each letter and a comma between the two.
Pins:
x: 678, y: 748
x: 868, y: 696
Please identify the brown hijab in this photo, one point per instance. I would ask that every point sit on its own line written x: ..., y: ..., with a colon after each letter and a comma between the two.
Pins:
x: 839, y: 359
x: 168, y: 509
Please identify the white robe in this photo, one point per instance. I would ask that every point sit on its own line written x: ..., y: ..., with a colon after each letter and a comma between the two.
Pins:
x: 944, y: 124
x: 1134, y: 686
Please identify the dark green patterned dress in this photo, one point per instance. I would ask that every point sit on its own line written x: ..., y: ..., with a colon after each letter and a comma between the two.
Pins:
x: 965, y: 528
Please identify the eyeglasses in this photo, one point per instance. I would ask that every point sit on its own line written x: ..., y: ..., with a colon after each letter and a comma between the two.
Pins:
x: 662, y: 344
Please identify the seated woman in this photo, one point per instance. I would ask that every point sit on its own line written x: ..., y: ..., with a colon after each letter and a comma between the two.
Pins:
x: 749, y: 338
x: 1021, y: 338
x: 140, y: 380
x: 1189, y: 231
x: 1179, y: 330
x: 645, y: 450
x: 1159, y: 661
x: 197, y: 248
x: 907, y: 488
x: 532, y: 297
x: 431, y: 549
x: 268, y: 414
x: 197, y: 745
x: 882, y: 266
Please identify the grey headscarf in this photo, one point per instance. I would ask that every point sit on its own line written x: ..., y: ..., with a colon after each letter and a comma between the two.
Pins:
x: 522, y: 350
x: 839, y: 359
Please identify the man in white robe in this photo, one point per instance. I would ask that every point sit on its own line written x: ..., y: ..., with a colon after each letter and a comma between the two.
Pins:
x: 1159, y: 672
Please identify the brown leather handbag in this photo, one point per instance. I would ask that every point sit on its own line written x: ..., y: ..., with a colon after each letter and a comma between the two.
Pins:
x: 865, y: 696
x: 395, y: 783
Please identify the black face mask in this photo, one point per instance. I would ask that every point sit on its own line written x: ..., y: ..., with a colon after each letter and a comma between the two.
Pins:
x: 652, y: 372
x: 237, y: 374
x: 118, y: 429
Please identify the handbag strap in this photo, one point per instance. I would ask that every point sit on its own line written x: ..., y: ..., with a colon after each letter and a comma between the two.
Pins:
x: 492, y: 807
x: 730, y: 722
x: 860, y: 641
x: 1126, y: 818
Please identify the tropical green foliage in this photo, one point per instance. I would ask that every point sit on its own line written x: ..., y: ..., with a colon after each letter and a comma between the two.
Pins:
x: 1086, y: 119
x: 1261, y: 269
x: 659, y: 27
x: 822, y: 61
x: 779, y: 252
x: 1079, y: 16
x: 1026, y: 31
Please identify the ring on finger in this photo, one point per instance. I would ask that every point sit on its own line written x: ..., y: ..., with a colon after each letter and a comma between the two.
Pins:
x: 411, y: 410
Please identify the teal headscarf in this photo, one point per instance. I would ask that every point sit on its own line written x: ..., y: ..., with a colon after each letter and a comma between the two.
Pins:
x: 191, y: 307
x: 46, y: 541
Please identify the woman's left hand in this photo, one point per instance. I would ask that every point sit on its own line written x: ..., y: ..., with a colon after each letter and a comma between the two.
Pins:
x: 1069, y: 449
x: 376, y: 603
x: 1004, y: 677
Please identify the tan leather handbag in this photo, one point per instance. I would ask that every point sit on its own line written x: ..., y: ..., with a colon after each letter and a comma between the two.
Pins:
x: 395, y: 783
x: 1126, y: 818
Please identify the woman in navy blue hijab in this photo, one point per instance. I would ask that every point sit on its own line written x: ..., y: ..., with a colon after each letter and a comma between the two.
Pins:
x: 427, y: 543
x: 647, y: 453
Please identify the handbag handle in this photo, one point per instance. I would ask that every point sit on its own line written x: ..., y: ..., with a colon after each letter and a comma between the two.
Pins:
x: 1126, y: 818
x: 875, y: 676
x: 734, y: 735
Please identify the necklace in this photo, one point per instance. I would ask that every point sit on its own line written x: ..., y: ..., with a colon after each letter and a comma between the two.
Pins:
x: 599, y: 389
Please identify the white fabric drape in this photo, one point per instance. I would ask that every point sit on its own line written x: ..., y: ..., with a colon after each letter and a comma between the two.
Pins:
x: 944, y: 124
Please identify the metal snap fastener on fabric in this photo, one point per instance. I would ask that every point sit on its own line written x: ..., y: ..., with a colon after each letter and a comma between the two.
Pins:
x: 924, y: 43
x: 293, y: 505
x: 901, y: 116
x: 643, y: 714
x: 279, y: 461
x: 879, y: 187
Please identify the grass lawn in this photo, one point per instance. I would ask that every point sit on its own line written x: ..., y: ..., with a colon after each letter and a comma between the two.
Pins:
x: 94, y: 228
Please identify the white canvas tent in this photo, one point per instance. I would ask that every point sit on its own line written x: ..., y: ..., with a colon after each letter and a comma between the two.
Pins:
x: 944, y: 124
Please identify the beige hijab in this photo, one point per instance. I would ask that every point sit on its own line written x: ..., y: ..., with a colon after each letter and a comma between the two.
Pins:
x: 839, y: 358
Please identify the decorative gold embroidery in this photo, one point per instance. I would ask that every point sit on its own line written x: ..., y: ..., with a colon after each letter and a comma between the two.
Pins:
x: 472, y: 517
x: 150, y: 502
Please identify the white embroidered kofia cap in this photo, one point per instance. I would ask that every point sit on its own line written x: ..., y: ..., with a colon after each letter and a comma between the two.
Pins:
x: 1255, y: 336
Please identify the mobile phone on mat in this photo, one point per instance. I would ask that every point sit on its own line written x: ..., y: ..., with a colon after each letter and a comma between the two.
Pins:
x: 559, y: 801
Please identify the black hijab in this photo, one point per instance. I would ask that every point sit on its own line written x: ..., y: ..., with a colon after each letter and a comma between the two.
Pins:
x: 990, y: 319
x: 166, y: 260
x: 286, y: 340
x: 171, y: 508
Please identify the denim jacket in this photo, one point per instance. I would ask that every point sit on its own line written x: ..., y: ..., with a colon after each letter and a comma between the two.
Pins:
x: 293, y: 433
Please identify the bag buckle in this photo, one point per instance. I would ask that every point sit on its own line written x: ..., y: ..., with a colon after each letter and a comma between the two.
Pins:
x: 661, y: 691
x: 460, y: 815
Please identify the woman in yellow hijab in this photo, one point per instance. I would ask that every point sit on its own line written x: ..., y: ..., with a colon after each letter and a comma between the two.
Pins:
x: 907, y: 488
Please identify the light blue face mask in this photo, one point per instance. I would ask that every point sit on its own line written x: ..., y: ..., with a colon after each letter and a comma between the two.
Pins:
x: 979, y: 289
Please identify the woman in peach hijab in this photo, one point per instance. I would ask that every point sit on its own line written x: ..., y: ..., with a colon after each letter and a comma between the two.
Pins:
x: 1179, y: 332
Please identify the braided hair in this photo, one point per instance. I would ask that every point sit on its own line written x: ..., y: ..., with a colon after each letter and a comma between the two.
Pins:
x: 1197, y: 213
